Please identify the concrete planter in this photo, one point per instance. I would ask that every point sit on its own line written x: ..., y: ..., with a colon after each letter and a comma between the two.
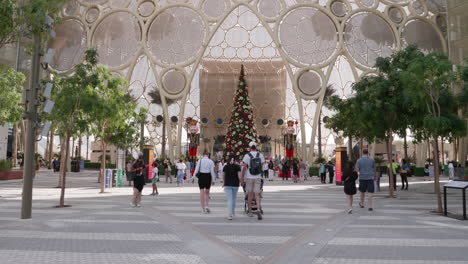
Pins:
x: 11, y: 175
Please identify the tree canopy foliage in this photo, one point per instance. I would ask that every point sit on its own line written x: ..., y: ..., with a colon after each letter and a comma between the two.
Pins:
x: 25, y: 17
x: 11, y: 85
x: 412, y: 91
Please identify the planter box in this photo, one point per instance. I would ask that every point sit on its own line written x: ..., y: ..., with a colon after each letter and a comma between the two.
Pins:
x: 11, y: 175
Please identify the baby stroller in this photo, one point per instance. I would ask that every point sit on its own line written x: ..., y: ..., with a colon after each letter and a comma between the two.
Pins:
x: 254, y: 203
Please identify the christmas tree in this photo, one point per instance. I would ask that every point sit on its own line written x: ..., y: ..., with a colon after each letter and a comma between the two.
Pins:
x: 241, y: 130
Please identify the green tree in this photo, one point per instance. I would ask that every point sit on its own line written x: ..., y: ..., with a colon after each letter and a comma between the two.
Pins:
x: 70, y: 114
x: 11, y: 85
x: 23, y: 18
x: 241, y: 130
x: 434, y: 105
x: 109, y: 110
x: 379, y: 109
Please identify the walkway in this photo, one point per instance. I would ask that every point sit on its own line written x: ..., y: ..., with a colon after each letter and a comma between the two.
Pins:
x: 304, y: 223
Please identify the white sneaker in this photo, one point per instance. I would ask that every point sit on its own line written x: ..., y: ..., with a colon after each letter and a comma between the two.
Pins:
x: 203, y: 211
x: 138, y: 205
x: 132, y: 205
x: 229, y: 217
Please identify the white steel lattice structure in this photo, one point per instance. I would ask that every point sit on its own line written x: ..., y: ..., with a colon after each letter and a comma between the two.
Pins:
x: 173, y: 45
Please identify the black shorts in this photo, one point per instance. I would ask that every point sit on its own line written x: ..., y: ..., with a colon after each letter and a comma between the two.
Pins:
x: 366, y: 186
x: 204, y: 180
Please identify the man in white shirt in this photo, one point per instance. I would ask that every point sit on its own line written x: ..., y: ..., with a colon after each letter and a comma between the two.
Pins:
x: 252, y: 172
x: 206, y: 176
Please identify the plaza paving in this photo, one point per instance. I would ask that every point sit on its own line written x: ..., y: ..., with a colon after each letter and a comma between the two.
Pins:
x: 303, y: 223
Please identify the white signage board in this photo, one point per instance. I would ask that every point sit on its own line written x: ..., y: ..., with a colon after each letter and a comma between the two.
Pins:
x: 457, y: 184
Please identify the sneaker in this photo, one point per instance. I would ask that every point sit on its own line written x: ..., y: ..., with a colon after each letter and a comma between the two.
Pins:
x: 250, y: 214
x: 138, y: 205
x: 229, y: 217
x: 203, y: 211
x: 207, y: 210
x: 132, y: 205
x: 350, y: 211
x: 259, y: 216
x: 370, y: 209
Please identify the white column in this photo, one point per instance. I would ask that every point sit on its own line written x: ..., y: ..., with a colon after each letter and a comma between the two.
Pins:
x: 3, y: 141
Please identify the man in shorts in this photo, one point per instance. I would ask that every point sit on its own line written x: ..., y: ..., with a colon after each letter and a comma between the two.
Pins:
x: 365, y: 166
x: 253, y: 181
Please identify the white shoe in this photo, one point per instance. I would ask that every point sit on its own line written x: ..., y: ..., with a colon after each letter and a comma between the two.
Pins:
x: 132, y: 205
x: 203, y: 211
x: 229, y: 217
x: 138, y: 205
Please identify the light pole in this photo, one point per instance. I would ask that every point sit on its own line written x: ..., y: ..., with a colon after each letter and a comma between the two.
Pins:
x: 30, y: 114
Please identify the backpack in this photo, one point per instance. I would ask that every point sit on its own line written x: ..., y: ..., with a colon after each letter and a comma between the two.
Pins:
x: 255, y: 166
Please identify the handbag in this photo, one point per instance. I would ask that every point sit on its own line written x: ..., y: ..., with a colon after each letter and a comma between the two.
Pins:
x: 197, y: 174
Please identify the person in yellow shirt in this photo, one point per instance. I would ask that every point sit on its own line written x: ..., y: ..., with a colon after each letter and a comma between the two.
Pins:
x: 395, y: 170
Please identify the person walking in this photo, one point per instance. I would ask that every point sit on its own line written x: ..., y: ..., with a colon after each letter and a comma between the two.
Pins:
x: 139, y: 180
x: 349, y: 177
x: 331, y: 172
x: 129, y: 171
x: 180, y: 172
x: 155, y: 177
x: 451, y: 170
x: 167, y: 170
x: 303, y: 170
x: 56, y: 165
x: 231, y: 180
x: 366, y: 168
x: 271, y: 172
x: 404, y: 174
x: 322, y: 172
x: 252, y: 172
x: 285, y: 170
x: 206, y: 175
x: 295, y: 169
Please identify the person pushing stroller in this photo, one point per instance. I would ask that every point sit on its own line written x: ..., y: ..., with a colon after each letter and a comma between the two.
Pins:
x: 252, y: 173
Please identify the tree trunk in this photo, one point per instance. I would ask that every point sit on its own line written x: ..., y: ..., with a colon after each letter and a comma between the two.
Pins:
x: 163, y: 143
x: 73, y: 148
x: 405, y: 147
x: 390, y: 169
x: 63, y: 168
x: 350, y: 148
x: 319, y: 135
x: 361, y: 146
x: 14, y: 152
x: 142, y: 135
x: 436, y: 175
x: 87, y: 147
x: 63, y: 161
x: 80, y: 142
x: 103, y: 166
x: 51, y: 148
x: 429, y: 153
x: 442, y: 150
x: 454, y: 148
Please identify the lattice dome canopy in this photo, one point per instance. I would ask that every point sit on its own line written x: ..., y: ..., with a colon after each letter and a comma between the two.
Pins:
x: 292, y: 50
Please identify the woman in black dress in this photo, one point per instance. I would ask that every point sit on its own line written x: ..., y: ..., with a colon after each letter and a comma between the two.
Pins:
x: 349, y: 177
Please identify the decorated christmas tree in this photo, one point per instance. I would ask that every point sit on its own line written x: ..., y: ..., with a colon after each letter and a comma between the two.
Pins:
x: 241, y: 130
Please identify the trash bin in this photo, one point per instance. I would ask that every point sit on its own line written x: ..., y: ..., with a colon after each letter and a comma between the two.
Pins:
x: 114, y: 178
x: 75, y: 166
x: 108, y: 178
x: 119, y: 178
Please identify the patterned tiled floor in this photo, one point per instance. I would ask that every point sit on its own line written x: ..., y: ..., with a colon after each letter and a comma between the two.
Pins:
x: 304, y: 223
